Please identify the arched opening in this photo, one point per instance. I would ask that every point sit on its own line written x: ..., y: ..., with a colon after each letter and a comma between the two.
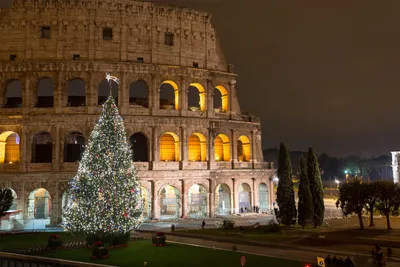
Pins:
x: 140, y: 150
x: 169, y: 147
x: 74, y: 145
x: 197, y: 201
x: 243, y: 149
x: 220, y: 99
x: 76, y: 89
x: 169, y: 95
x: 222, y: 148
x: 13, y: 94
x: 169, y: 202
x: 197, y: 147
x: 139, y: 94
x: 14, y: 205
x: 263, y: 197
x: 196, y: 97
x: 9, y: 147
x: 104, y: 89
x: 42, y: 148
x: 245, y: 198
x: 223, y: 199
x: 145, y: 202
x: 39, y: 205
x: 45, y: 93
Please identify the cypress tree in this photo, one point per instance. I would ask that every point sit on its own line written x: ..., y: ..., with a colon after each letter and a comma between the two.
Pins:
x: 317, y: 192
x: 285, y: 192
x: 305, y: 205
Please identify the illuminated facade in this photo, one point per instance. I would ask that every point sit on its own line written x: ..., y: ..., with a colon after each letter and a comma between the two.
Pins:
x: 197, y: 154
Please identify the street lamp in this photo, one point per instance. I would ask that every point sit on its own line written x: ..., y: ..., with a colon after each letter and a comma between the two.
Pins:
x: 275, y: 179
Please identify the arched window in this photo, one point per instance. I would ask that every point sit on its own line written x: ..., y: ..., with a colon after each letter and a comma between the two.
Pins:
x: 74, y: 145
x: 14, y: 205
x: 169, y: 147
x: 104, y: 89
x: 45, y: 93
x: 139, y: 94
x: 169, y: 202
x: 169, y: 95
x: 76, y: 93
x: 13, y: 95
x: 196, y: 97
x: 39, y: 204
x: 140, y: 150
x: 220, y: 99
x: 263, y: 197
x: 223, y: 199
x: 198, y: 201
x: 145, y: 202
x: 197, y: 147
x: 245, y: 204
x: 222, y: 148
x: 42, y: 148
x: 243, y: 149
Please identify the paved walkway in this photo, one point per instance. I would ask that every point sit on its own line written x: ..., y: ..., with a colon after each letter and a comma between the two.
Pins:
x: 298, y: 254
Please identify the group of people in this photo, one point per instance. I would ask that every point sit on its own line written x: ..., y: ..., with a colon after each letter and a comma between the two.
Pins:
x: 249, y: 209
x: 379, y: 257
x: 338, y: 261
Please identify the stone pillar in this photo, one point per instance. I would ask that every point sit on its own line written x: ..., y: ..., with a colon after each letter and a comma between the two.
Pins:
x: 23, y: 149
x: 153, y: 196
x: 184, y: 147
x: 184, y: 199
x: 56, y: 148
x: 183, y: 92
x: 253, y: 149
x: 396, y: 166
x: 58, y: 93
x: 211, y: 203
x: 254, y: 194
x: 56, y: 206
x: 233, y: 197
x: 209, y: 98
x: 211, y: 151
x: 155, y: 91
x: 234, y: 157
x: 91, y: 94
x: 271, y: 193
x: 26, y: 95
x: 155, y: 151
x: 123, y: 95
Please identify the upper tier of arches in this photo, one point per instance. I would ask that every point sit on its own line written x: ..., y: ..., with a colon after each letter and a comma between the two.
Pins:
x: 167, y: 95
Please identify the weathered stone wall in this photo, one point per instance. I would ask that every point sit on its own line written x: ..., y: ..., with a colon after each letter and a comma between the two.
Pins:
x: 76, y: 28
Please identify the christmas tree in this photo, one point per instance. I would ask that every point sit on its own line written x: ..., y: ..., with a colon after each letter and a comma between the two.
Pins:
x: 104, y: 197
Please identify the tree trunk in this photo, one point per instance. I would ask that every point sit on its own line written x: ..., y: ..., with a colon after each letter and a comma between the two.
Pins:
x: 388, y: 222
x: 361, y: 221
x: 371, y: 217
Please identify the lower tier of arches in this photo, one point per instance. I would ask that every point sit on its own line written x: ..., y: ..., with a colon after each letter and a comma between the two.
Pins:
x: 39, y: 203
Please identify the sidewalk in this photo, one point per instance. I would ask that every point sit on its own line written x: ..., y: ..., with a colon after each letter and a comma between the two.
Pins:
x: 306, y: 255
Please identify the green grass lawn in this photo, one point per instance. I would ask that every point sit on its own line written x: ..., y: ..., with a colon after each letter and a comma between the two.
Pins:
x: 172, y: 255
x: 11, y: 242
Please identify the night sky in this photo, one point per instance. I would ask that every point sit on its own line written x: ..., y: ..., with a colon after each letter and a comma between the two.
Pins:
x: 320, y: 73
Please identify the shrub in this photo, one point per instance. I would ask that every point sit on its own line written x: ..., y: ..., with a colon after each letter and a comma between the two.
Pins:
x: 99, y: 251
x: 54, y: 241
x: 227, y: 224
x: 271, y: 227
x: 159, y: 239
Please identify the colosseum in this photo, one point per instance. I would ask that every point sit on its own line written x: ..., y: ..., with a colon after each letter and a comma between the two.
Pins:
x: 197, y: 153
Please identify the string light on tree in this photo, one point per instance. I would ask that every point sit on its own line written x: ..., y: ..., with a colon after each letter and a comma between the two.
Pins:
x: 104, y: 196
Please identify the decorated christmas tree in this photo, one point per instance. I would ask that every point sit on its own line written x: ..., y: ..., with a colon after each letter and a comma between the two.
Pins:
x: 104, y: 197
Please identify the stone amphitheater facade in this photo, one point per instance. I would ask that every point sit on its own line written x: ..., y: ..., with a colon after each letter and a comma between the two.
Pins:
x: 197, y: 153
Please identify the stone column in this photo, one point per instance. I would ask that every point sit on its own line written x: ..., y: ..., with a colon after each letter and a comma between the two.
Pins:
x: 211, y: 198
x: 254, y: 194
x: 153, y: 196
x: 184, y: 199
x: 271, y: 193
x: 56, y: 148
x: 209, y: 98
x: 123, y: 95
x: 26, y: 95
x: 155, y: 151
x: 183, y: 92
x: 56, y: 206
x: 396, y: 166
x: 91, y: 95
x: 184, y: 147
x: 211, y: 152
x: 58, y: 93
x: 233, y: 197
x: 253, y: 149
x: 234, y: 156
x: 156, y: 94
x: 23, y: 149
